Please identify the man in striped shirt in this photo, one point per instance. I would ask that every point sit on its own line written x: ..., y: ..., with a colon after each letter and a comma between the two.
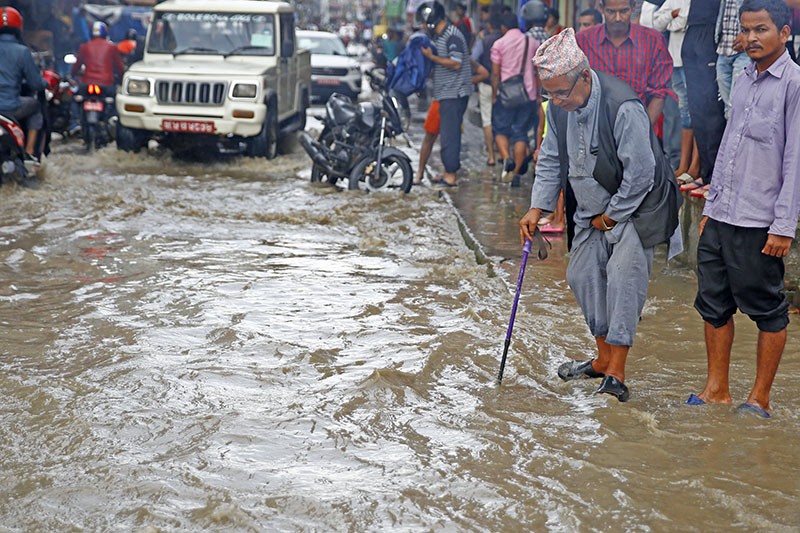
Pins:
x: 452, y: 75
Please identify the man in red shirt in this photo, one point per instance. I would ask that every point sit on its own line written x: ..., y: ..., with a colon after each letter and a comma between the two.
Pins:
x: 632, y: 53
x: 99, y: 61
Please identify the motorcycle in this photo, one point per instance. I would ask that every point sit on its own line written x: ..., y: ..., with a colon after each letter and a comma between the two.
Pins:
x: 12, y: 153
x: 96, y: 104
x: 59, y: 93
x: 353, y: 146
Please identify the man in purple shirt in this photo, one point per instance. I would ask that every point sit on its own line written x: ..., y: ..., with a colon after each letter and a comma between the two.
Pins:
x: 750, y: 216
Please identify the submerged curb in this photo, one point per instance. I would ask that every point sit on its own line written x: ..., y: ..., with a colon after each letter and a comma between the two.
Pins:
x: 481, y: 257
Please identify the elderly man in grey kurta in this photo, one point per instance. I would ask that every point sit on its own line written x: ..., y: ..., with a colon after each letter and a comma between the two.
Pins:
x: 601, y: 143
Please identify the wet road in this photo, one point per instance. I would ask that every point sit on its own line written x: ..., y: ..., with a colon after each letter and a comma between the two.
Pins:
x: 221, y: 346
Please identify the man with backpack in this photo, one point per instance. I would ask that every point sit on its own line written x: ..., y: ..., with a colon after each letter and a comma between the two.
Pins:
x: 452, y: 74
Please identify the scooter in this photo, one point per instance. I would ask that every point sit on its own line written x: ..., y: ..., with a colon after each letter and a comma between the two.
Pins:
x: 12, y: 154
x: 353, y: 146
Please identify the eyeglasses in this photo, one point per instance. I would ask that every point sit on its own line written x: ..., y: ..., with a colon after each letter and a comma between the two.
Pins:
x: 561, y: 95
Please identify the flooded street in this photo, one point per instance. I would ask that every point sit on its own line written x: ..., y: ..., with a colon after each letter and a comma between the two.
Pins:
x: 223, y: 346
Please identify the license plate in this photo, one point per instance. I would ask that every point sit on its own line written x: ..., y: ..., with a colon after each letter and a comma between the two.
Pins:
x: 188, y: 126
x: 328, y: 81
x: 91, y: 105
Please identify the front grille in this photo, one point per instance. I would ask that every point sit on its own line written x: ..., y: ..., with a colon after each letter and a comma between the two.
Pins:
x: 191, y: 92
x: 329, y: 71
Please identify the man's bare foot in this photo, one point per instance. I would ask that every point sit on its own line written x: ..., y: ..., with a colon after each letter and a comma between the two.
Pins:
x: 717, y: 397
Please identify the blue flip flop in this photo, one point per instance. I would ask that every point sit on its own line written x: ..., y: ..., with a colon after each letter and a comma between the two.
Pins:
x: 695, y: 400
x: 750, y: 408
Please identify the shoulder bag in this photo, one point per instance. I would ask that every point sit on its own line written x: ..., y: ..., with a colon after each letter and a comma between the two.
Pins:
x: 512, y: 91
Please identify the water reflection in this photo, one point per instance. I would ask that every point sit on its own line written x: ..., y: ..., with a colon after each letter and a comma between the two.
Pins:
x: 223, y: 346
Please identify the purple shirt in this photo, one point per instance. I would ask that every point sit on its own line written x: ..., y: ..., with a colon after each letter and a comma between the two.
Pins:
x: 756, y: 181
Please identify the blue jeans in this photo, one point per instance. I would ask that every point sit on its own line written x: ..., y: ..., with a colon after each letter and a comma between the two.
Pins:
x: 728, y: 69
x: 679, y: 86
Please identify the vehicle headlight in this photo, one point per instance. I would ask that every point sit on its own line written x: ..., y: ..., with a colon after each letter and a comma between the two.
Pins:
x: 138, y: 87
x: 245, y: 90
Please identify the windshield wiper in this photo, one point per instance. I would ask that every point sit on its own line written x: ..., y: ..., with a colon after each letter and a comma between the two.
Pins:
x: 245, y: 47
x: 195, y: 49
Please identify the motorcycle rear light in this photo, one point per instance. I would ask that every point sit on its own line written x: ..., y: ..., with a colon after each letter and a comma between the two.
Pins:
x: 95, y: 89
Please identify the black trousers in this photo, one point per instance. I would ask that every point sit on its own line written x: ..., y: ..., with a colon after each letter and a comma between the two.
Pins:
x: 451, y: 113
x: 733, y: 273
x: 705, y: 106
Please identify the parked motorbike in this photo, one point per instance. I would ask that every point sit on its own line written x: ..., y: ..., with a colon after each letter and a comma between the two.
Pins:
x: 12, y: 153
x: 353, y: 146
x: 377, y: 80
x: 97, y: 114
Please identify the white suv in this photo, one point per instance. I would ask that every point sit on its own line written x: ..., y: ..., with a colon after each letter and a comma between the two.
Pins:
x: 332, y: 70
x: 227, y: 74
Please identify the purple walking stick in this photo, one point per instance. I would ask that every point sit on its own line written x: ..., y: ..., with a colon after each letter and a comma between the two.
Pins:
x: 525, y: 251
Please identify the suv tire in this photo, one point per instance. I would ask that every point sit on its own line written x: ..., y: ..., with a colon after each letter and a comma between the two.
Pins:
x: 265, y: 144
x: 129, y: 139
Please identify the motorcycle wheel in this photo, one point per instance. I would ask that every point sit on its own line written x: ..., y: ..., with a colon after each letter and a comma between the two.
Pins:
x: 91, y: 138
x: 395, y: 174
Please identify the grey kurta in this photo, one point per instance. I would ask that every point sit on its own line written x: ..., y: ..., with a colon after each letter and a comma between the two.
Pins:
x: 608, y: 271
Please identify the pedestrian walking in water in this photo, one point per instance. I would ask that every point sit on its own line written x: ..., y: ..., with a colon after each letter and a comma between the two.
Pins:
x: 481, y: 54
x: 452, y: 85
x: 751, y: 213
x: 512, y: 120
x: 601, y: 141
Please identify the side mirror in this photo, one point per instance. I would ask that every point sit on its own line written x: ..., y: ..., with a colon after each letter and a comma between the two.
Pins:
x: 70, y: 59
x: 287, y: 48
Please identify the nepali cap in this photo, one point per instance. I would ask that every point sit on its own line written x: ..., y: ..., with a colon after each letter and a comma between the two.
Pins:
x: 558, y: 55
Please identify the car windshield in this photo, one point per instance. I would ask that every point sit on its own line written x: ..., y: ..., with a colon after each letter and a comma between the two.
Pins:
x: 212, y: 33
x: 322, y: 45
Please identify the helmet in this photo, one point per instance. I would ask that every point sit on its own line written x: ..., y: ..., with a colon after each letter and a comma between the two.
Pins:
x: 11, y: 19
x: 534, y: 13
x: 430, y: 14
x: 131, y: 34
x: 99, y: 29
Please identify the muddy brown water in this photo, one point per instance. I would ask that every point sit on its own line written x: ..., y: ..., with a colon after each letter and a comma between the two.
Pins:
x: 221, y: 346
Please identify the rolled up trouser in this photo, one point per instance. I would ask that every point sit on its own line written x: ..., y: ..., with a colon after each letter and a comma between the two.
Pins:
x: 609, y: 273
x: 30, y: 112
